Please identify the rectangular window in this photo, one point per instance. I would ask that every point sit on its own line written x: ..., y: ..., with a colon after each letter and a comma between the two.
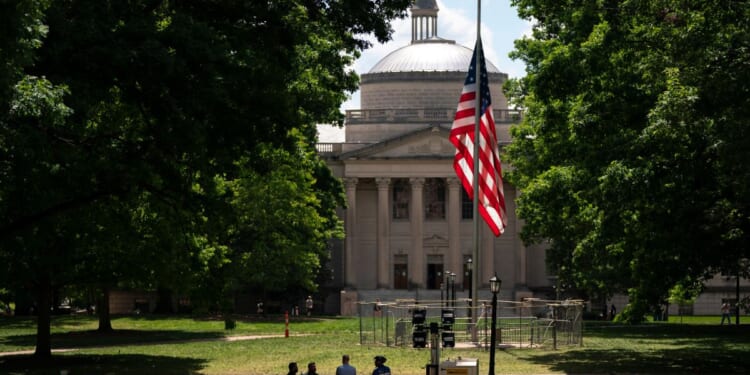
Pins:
x: 401, y: 196
x: 467, y: 206
x: 434, y: 198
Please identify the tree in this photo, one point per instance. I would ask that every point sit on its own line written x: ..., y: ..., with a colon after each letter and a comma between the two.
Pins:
x: 632, y: 151
x: 684, y: 294
x: 110, y: 106
x: 284, y: 221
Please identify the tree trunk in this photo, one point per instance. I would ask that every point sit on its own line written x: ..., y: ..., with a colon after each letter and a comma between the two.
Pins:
x: 43, y: 339
x: 102, y: 308
x: 164, y: 301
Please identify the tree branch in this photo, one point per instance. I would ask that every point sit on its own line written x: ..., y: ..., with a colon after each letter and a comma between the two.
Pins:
x: 23, y: 222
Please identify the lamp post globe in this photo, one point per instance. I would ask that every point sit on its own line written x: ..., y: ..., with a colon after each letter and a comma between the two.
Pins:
x: 495, y: 284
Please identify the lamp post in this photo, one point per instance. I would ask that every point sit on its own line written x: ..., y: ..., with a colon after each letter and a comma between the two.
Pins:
x: 453, y: 289
x: 495, y: 284
x: 442, y: 300
x: 440, y: 286
x: 469, y: 270
x: 447, y: 288
x: 468, y: 277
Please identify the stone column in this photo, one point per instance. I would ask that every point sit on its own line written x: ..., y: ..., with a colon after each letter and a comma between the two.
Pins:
x: 351, y: 225
x: 383, y: 231
x: 416, y: 217
x: 454, y: 223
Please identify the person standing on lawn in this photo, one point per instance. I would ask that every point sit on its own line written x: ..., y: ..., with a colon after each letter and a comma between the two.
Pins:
x: 380, y: 367
x: 309, y: 305
x: 345, y: 368
x: 725, y: 313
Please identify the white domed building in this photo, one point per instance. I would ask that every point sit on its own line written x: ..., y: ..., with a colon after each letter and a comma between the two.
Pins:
x: 408, y: 221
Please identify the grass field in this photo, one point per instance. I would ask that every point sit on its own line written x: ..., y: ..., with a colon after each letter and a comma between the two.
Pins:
x: 185, y: 345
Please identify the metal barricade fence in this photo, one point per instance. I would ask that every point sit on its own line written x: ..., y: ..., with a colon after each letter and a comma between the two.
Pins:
x: 526, y: 324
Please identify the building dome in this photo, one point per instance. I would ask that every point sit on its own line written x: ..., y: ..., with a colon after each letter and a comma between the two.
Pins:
x: 426, y: 74
x: 434, y: 55
x: 424, y: 4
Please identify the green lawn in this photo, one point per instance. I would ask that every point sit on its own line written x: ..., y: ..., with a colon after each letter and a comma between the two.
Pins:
x: 183, y: 345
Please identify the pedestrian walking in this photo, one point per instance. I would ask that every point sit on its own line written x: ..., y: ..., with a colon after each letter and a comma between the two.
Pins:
x: 309, y: 305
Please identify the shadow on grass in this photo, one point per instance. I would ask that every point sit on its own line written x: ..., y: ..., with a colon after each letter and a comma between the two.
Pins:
x: 675, y: 361
x: 93, y: 338
x: 24, y: 336
x: 699, y: 335
x: 101, y: 364
x: 657, y: 349
x: 17, y: 322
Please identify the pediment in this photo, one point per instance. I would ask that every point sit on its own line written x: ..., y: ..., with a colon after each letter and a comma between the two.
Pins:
x: 431, y: 142
x: 435, y: 241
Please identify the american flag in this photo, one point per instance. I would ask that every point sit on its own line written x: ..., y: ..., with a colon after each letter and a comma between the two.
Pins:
x: 491, y: 198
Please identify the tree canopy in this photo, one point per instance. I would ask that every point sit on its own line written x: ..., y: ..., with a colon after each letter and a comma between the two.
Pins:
x: 121, y: 124
x: 633, y: 154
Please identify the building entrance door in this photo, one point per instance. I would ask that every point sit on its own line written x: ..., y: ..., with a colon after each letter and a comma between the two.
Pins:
x: 400, y: 276
x: 434, y: 275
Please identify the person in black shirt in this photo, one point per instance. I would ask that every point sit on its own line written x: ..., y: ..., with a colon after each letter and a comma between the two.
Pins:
x: 380, y: 367
x: 311, y: 369
x: 292, y: 368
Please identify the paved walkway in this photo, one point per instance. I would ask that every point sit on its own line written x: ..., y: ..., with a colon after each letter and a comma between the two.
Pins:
x: 227, y: 338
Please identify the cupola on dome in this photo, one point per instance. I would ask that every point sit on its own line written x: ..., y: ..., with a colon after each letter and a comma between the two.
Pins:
x: 427, y: 52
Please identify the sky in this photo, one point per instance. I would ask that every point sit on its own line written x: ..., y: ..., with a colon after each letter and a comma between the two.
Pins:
x: 456, y: 21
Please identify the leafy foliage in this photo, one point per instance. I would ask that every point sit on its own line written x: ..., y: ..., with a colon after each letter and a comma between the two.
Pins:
x: 281, y: 237
x: 633, y: 152
x: 122, y: 122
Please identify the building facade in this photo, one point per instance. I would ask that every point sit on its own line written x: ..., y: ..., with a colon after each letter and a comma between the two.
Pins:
x: 408, y: 220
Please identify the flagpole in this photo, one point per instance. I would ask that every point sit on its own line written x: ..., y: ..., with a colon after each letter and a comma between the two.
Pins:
x: 475, y: 178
